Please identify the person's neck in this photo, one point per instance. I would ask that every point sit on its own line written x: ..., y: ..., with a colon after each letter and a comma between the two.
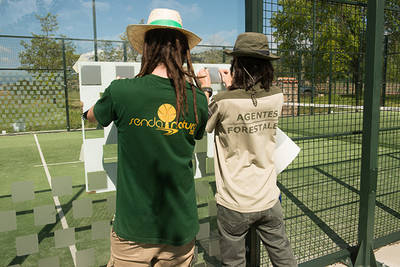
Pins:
x: 161, y: 71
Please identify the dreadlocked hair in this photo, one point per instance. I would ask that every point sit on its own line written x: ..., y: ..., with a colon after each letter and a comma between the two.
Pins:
x: 248, y: 71
x: 170, y: 47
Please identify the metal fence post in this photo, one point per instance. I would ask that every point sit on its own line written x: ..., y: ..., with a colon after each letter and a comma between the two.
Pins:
x: 125, y: 53
x: 358, y: 83
x: 253, y: 244
x: 330, y: 82
x: 94, y: 30
x: 369, y: 164
x: 65, y: 85
x: 299, y: 82
x: 254, y: 16
x: 385, y: 56
x: 254, y: 23
x: 313, y: 57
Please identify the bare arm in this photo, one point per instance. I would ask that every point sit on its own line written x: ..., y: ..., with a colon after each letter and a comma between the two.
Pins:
x: 90, y: 115
x: 205, y: 81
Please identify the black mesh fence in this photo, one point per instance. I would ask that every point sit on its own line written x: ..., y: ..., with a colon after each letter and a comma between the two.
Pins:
x: 322, y: 45
x: 39, y: 85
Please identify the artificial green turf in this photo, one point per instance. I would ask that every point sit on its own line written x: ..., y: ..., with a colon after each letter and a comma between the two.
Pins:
x: 342, y: 122
x: 322, y: 178
x: 20, y: 161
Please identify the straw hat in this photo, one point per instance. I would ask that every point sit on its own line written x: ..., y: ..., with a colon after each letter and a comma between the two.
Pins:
x: 159, y: 18
x: 252, y: 44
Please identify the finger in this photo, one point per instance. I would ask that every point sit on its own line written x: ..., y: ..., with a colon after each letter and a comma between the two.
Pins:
x: 223, y: 71
x: 203, y: 73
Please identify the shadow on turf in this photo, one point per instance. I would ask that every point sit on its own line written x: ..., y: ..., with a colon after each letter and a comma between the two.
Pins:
x: 46, y: 230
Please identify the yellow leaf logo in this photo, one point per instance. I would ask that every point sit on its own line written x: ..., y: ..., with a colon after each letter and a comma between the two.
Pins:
x: 166, y: 113
x: 165, y: 122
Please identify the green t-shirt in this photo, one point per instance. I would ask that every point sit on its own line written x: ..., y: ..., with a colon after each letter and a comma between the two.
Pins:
x: 156, y: 201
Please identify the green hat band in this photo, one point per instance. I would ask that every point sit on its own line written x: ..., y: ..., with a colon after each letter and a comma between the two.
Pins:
x: 166, y: 22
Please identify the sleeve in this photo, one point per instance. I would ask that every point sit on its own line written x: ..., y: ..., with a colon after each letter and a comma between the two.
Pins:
x: 104, y: 111
x: 203, y: 116
x: 213, y: 116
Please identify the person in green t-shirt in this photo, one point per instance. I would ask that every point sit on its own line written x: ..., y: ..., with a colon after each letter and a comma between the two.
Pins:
x: 158, y: 115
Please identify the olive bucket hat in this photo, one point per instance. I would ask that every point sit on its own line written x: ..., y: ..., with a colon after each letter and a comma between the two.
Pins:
x: 252, y: 44
x: 159, y: 18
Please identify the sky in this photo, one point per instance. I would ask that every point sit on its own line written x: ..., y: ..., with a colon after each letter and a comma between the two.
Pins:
x: 217, y: 22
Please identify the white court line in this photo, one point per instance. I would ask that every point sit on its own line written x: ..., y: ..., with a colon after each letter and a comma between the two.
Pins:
x: 59, y: 163
x: 60, y: 212
x: 67, y: 162
x: 337, y: 106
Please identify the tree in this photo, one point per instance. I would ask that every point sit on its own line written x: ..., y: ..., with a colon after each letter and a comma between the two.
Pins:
x: 132, y: 54
x: 44, y: 52
x: 116, y: 53
x: 209, y: 56
x: 337, y: 42
x: 110, y: 52
x: 43, y: 55
x: 392, y: 30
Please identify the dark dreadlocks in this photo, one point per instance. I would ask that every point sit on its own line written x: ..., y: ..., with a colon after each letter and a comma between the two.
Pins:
x: 170, y: 47
x: 261, y: 70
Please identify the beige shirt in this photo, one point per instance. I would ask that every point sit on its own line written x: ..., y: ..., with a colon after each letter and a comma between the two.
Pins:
x: 244, y: 147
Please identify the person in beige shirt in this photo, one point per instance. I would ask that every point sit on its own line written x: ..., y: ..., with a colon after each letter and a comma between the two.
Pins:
x: 244, y: 120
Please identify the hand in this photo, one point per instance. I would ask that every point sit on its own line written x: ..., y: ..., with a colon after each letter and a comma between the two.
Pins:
x: 90, y: 115
x: 204, y: 78
x: 225, y: 77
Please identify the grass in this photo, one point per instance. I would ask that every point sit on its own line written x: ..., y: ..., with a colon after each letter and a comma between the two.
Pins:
x: 319, y: 189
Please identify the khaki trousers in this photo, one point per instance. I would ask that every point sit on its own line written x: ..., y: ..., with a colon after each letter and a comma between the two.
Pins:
x: 126, y: 253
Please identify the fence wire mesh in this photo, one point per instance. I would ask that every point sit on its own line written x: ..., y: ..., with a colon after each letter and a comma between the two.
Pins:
x: 387, y: 213
x: 321, y: 71
x: 35, y: 65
